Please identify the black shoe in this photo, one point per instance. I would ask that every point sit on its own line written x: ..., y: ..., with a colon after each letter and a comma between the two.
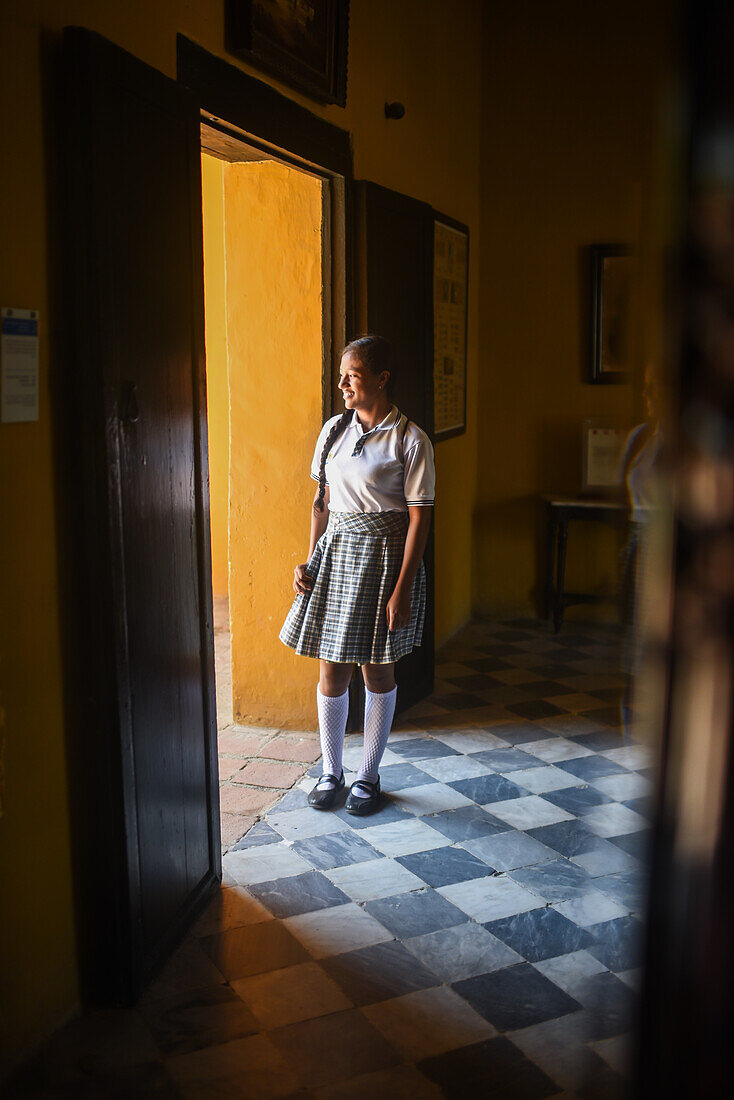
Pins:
x: 362, y: 806
x: 324, y: 800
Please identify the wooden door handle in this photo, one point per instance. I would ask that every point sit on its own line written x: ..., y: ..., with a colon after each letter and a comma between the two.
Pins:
x: 129, y: 409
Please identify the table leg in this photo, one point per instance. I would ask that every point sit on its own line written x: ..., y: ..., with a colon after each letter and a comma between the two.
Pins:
x: 560, y: 575
x: 549, y: 564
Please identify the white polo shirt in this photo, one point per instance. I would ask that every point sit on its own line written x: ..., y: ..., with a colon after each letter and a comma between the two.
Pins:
x: 388, y: 475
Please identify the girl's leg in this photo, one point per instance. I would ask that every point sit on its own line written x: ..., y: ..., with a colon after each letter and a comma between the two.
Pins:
x: 380, y: 696
x: 332, y: 699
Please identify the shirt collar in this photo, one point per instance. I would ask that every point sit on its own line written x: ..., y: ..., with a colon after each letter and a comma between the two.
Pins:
x: 389, y: 421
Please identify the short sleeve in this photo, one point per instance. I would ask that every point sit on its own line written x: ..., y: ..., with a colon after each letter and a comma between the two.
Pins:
x: 419, y: 475
x: 316, y: 460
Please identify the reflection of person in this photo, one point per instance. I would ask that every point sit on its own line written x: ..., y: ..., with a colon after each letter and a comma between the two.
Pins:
x: 361, y: 595
x: 636, y: 471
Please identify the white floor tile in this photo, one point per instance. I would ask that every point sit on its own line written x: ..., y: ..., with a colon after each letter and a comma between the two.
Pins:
x: 473, y: 741
x: 572, y: 971
x: 591, y: 908
x: 335, y: 930
x: 429, y: 799
x: 428, y: 1022
x: 377, y: 878
x: 539, y: 780
x: 614, y: 820
x: 401, y: 838
x: 450, y: 768
x: 631, y: 756
x: 622, y: 787
x: 490, y: 898
x: 555, y: 748
x: 529, y: 812
x: 270, y: 861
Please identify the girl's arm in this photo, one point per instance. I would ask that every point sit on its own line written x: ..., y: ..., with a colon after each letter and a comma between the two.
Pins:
x: 301, y: 580
x: 398, y: 607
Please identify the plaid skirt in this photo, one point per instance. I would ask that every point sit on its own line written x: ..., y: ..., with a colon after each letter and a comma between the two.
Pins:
x: 355, y: 566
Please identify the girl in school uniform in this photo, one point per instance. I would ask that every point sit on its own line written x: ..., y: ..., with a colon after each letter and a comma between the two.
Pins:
x: 361, y: 596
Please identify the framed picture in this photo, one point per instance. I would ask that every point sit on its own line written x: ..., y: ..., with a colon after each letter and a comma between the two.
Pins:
x: 301, y: 42
x: 611, y: 305
x: 450, y: 300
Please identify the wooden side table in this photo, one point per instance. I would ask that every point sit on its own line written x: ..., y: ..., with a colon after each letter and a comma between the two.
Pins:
x: 560, y: 511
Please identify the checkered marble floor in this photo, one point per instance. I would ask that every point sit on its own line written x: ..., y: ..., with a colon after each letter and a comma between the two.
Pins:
x: 479, y: 935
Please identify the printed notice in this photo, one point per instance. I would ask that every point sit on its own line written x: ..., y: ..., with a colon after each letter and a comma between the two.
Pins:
x: 449, y: 328
x: 19, y: 360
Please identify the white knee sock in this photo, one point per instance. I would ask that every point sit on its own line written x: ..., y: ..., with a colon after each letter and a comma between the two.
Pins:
x: 333, y: 711
x: 378, y: 715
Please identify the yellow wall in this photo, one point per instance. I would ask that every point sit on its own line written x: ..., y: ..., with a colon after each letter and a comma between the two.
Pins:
x: 565, y: 125
x: 217, y: 381
x: 573, y: 104
x: 274, y: 323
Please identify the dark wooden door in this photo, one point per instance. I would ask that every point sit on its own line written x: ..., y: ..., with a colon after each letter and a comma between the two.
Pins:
x: 134, y: 219
x: 393, y: 279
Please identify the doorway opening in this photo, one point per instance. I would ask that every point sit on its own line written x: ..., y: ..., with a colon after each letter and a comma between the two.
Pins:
x: 274, y: 313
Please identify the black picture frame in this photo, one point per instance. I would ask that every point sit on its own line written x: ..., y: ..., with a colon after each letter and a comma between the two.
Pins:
x: 611, y: 307
x: 450, y: 330
x: 277, y: 39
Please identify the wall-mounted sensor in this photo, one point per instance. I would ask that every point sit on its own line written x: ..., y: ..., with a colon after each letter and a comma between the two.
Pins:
x: 394, y: 110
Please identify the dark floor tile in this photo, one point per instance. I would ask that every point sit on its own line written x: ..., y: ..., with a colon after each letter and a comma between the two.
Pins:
x: 555, y: 671
x: 605, y: 716
x: 335, y: 850
x: 194, y: 1020
x: 259, y: 834
x: 378, y: 973
x: 541, y: 934
x: 628, y: 887
x: 333, y: 1048
x: 575, y: 800
x: 575, y: 641
x: 544, y: 689
x: 496, y: 649
x: 592, y: 767
x: 645, y: 805
x: 515, y: 635
x: 494, y: 1068
x: 422, y: 748
x: 458, y: 700
x: 254, y: 949
x: 295, y: 799
x: 488, y: 788
x: 610, y: 1006
x: 570, y: 838
x: 567, y: 653
x: 515, y: 997
x: 635, y: 844
x: 415, y: 913
x: 465, y: 823
x: 398, y: 777
x: 520, y: 733
x: 600, y: 740
x: 477, y: 682
x: 507, y: 760
x: 445, y: 866
x: 618, y: 943
x: 288, y: 897
x: 556, y: 880
x: 485, y: 664
x: 608, y: 695
x: 536, y: 708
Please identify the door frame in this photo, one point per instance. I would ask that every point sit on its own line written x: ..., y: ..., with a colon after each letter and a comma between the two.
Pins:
x: 236, y: 107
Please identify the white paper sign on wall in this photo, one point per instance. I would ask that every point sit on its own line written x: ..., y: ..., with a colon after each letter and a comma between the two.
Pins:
x: 19, y: 360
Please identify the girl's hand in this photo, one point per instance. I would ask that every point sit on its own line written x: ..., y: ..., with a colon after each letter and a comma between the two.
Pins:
x: 302, y: 582
x: 398, y: 610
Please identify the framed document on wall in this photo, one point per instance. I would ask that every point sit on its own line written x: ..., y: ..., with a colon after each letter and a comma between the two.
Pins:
x: 450, y: 283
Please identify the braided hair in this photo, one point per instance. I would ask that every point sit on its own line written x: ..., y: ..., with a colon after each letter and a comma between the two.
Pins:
x: 375, y: 353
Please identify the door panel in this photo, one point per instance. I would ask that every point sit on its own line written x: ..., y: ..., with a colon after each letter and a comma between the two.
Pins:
x: 394, y: 297
x: 135, y: 205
